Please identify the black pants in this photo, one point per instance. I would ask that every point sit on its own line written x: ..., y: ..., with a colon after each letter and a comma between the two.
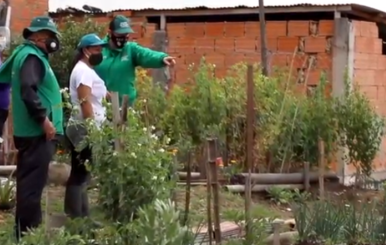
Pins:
x: 76, y: 203
x: 3, y: 119
x: 33, y: 158
x: 79, y: 174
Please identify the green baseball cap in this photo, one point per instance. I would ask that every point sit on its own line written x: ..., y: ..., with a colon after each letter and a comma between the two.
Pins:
x: 89, y: 40
x: 120, y: 24
x: 39, y: 24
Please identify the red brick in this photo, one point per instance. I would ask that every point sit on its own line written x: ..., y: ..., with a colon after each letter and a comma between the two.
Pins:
x: 313, y: 76
x: 23, y: 11
x: 234, y: 29
x: 245, y: 44
x: 298, y: 28
x: 220, y: 72
x: 252, y: 58
x: 214, y: 29
x: 138, y: 31
x: 380, y: 62
x: 299, y: 61
x: 381, y: 97
x: 323, y: 61
x: 192, y: 59
x: 271, y: 44
x: 368, y: 45
x: 287, y: 43
x: 182, y: 45
x: 380, y: 78
x: 370, y: 91
x: 252, y: 29
x: 182, y: 76
x: 278, y: 60
x: 364, y: 77
x: 234, y: 58
x: 194, y: 30
x: 315, y: 44
x: 224, y: 45
x: 366, y: 29
x: 205, y: 44
x: 149, y: 30
x: 146, y: 42
x: 366, y: 61
x: 276, y: 28
x: 326, y: 28
x: 216, y: 59
x: 176, y: 30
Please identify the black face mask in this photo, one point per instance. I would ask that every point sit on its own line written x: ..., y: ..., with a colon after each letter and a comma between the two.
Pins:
x: 119, y: 42
x: 52, y: 45
x: 94, y: 59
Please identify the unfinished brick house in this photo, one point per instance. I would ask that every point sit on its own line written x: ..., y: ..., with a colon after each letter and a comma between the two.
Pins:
x: 330, y: 38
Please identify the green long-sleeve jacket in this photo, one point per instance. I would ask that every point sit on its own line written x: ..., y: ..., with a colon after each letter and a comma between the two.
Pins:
x: 118, y: 67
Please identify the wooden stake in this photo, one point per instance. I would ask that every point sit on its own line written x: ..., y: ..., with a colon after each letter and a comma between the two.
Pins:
x: 306, y: 176
x: 212, y: 156
x: 250, y: 154
x: 209, y: 204
x: 321, y: 168
x: 187, y: 189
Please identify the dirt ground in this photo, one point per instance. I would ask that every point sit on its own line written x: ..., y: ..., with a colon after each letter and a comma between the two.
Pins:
x: 262, y: 205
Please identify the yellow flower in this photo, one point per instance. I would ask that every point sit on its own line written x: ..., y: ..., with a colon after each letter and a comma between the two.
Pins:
x: 174, y: 152
x: 233, y: 161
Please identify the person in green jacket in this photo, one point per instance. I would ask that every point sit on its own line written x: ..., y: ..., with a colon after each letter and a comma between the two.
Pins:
x: 37, y: 116
x: 120, y: 58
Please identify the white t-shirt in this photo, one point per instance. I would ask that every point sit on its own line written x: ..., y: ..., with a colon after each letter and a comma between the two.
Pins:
x: 85, y: 75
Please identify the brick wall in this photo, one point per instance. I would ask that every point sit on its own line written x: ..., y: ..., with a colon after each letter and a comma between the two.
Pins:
x: 227, y: 43
x: 370, y: 74
x: 23, y: 11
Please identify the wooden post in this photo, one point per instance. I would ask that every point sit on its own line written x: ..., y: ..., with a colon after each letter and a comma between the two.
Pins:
x: 321, y: 168
x: 188, y: 188
x: 212, y: 156
x: 119, y: 122
x: 264, y: 51
x: 306, y: 176
x: 276, y: 225
x: 250, y: 154
x: 161, y: 76
x: 209, y: 204
x: 116, y: 117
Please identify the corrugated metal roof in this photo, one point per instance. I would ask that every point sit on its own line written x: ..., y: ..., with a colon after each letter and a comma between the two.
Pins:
x: 113, y: 5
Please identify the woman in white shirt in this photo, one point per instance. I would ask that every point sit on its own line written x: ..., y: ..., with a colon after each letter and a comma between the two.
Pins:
x: 87, y: 90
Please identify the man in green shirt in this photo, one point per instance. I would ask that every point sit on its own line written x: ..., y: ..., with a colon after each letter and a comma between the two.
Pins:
x: 37, y: 116
x: 120, y: 58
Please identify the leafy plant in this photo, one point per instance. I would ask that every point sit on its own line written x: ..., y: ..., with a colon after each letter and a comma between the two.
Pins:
x: 158, y: 223
x: 280, y: 195
x: 7, y: 193
x: 361, y: 127
x: 137, y: 175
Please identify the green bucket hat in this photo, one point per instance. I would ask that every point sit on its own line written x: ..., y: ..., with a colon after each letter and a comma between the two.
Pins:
x: 120, y: 24
x: 39, y: 24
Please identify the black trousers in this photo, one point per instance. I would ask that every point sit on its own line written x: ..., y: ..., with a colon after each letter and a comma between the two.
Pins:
x: 79, y: 174
x: 3, y: 119
x: 33, y: 158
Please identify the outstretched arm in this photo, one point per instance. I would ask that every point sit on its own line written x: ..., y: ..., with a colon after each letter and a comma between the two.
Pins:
x: 148, y: 58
